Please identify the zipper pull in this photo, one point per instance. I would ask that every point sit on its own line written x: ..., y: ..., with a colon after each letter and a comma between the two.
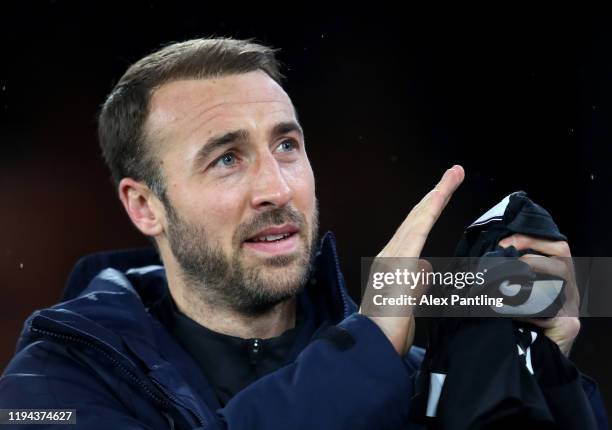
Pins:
x: 255, y: 351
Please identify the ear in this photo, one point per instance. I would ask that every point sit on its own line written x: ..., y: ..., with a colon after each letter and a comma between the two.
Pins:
x: 142, y: 206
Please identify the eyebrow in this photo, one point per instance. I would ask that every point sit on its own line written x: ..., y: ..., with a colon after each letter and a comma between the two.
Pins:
x: 242, y: 136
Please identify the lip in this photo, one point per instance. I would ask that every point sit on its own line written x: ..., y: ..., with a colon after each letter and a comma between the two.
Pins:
x: 283, y: 229
x: 279, y: 247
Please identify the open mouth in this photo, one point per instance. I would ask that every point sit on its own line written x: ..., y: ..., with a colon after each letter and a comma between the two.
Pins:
x: 274, y: 240
x: 270, y: 237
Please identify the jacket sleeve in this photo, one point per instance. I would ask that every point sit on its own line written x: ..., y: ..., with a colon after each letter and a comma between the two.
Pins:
x: 350, y: 378
x: 45, y: 376
x: 597, y: 404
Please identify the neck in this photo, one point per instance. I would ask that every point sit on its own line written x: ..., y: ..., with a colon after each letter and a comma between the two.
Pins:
x: 224, y: 319
x: 234, y: 323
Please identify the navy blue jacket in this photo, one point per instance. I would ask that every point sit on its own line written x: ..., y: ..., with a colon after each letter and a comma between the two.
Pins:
x: 105, y: 355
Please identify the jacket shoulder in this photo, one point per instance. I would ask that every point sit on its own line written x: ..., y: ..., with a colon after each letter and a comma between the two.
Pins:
x: 49, y: 375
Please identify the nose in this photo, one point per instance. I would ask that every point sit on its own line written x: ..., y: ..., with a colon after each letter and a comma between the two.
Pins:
x: 269, y: 186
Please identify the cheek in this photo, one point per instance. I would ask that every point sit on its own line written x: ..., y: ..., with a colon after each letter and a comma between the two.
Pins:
x: 223, y: 211
x: 218, y: 209
x: 301, y: 180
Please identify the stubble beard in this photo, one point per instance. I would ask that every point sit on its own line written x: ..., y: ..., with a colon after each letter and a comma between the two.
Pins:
x: 225, y: 281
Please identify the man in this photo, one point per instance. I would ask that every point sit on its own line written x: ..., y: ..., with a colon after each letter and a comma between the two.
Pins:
x: 248, y: 323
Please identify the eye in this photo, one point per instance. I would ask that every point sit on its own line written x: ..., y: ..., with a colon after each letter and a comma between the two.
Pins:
x: 226, y: 160
x: 288, y: 145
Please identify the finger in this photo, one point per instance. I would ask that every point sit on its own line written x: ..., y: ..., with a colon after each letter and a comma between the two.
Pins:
x: 387, y: 285
x: 423, y: 266
x: 422, y: 218
x: 551, y: 266
x: 571, y: 324
x: 449, y: 182
x: 563, y: 268
x: 549, y: 247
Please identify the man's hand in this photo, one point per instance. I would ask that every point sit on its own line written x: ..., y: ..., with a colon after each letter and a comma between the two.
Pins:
x: 564, y: 327
x: 408, y: 241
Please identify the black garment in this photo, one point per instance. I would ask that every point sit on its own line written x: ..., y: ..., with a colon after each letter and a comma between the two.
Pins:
x: 230, y: 363
x: 107, y: 354
x: 494, y: 372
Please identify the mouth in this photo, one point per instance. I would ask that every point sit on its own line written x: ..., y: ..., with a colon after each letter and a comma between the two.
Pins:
x: 274, y: 240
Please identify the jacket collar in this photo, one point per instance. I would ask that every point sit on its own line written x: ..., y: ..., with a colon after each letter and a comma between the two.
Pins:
x: 117, y: 300
x: 111, y: 314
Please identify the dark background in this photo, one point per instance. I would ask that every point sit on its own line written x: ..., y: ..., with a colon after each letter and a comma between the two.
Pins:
x: 387, y: 100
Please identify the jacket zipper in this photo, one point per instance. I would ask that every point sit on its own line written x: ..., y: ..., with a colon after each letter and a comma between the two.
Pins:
x: 339, y: 279
x: 172, y: 397
x: 255, y: 351
x: 139, y: 382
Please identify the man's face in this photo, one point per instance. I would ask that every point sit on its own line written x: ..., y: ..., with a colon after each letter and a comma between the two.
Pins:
x: 241, y: 208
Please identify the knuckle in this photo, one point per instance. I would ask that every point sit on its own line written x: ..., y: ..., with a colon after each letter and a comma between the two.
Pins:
x: 521, y: 241
x: 565, y: 249
x: 574, y: 325
x: 438, y: 195
x: 416, y: 234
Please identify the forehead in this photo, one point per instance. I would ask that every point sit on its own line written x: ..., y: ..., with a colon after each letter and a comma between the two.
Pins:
x: 180, y: 109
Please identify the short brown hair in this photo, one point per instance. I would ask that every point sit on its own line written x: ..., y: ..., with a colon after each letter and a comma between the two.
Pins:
x: 124, y: 113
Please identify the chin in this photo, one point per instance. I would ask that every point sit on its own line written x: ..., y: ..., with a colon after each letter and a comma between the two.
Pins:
x: 284, y: 278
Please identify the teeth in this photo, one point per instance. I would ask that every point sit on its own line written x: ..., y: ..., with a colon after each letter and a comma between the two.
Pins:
x: 271, y: 238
